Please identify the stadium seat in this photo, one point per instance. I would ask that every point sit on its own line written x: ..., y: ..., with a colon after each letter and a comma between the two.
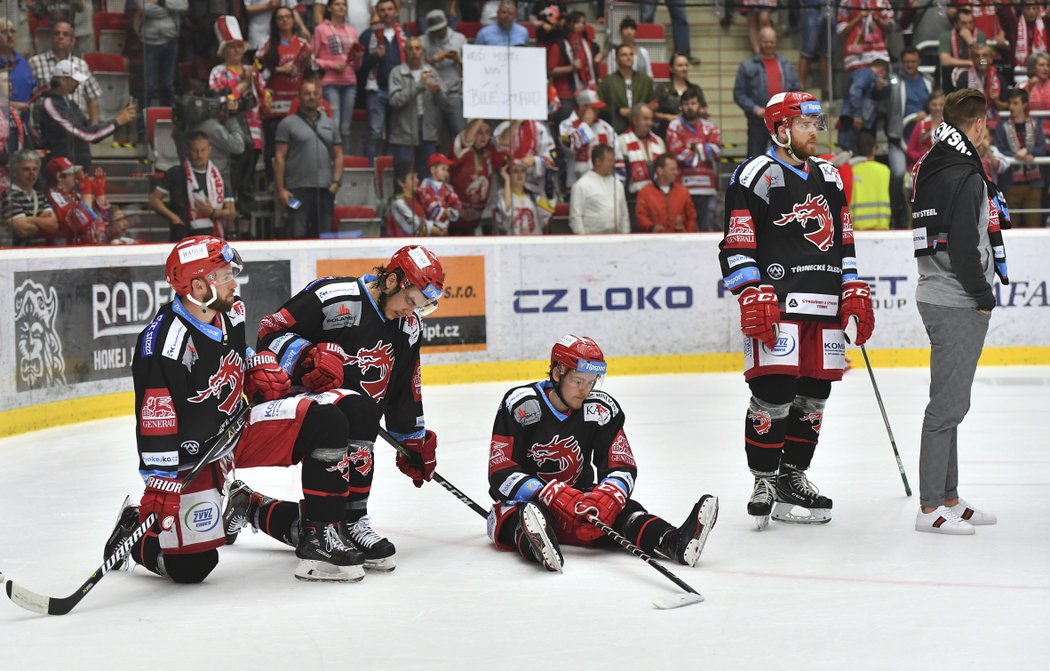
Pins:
x: 111, y: 31
x: 469, y: 29
x: 111, y: 73
x: 653, y: 37
x: 661, y: 72
x: 358, y: 185
x: 354, y: 222
x: 384, y: 172
x: 160, y: 138
x: 560, y: 220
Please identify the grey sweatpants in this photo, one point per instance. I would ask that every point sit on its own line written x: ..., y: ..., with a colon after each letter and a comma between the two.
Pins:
x: 956, y: 340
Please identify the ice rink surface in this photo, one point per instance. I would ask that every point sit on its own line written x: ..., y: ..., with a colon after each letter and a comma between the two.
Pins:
x: 863, y: 592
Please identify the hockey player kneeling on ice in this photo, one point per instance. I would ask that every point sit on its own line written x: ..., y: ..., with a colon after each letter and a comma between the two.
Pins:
x: 360, y: 335
x: 548, y: 440
x: 191, y: 369
x: 788, y: 256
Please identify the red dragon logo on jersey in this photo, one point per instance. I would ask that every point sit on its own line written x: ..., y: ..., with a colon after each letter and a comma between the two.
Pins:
x: 814, y: 419
x: 763, y: 422
x: 815, y: 208
x: 564, y: 453
x: 380, y: 356
x: 229, y: 374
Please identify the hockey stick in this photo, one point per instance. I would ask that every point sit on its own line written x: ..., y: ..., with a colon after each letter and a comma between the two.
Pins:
x: 886, y: 421
x: 47, y: 605
x: 455, y: 491
x: 691, y: 596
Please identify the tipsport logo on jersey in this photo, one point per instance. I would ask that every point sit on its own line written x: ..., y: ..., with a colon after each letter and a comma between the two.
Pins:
x: 77, y: 325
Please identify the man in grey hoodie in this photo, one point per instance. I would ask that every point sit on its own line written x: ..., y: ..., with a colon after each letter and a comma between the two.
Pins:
x: 160, y: 35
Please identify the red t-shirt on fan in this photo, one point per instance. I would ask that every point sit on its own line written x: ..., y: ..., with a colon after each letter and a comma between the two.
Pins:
x: 774, y: 80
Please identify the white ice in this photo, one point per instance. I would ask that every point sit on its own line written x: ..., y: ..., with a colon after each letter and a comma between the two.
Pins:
x: 863, y: 592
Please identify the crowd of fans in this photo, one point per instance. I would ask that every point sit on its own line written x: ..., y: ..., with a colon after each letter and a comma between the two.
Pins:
x: 273, y: 85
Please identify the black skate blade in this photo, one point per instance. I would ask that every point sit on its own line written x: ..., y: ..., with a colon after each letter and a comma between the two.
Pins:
x: 677, y: 601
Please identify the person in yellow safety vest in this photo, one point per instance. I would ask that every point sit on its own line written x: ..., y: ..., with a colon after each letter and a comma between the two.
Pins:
x: 870, y: 204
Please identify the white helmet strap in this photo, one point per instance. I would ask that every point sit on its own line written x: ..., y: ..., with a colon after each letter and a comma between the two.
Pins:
x: 787, y: 145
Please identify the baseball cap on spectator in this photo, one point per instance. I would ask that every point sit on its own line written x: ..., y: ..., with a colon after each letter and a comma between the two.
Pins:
x: 589, y: 97
x: 60, y: 165
x: 228, y: 32
x: 436, y: 20
x: 67, y: 69
x: 438, y: 158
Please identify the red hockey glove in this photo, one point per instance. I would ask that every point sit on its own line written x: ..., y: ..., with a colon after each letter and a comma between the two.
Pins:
x: 324, y: 366
x: 420, y: 466
x: 759, y: 314
x: 606, y: 502
x: 561, y: 500
x: 161, y: 497
x: 856, y: 302
x: 265, y: 379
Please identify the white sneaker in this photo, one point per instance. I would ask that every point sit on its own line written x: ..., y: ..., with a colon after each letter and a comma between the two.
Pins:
x: 976, y: 517
x: 942, y: 521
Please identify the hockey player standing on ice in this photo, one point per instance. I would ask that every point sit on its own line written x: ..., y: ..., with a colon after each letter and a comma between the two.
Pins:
x: 190, y: 367
x: 788, y: 256
x: 360, y: 334
x: 548, y: 441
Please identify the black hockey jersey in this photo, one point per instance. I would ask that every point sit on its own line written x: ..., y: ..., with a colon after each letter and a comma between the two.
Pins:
x: 789, y: 227
x: 533, y: 444
x: 188, y: 377
x: 382, y: 355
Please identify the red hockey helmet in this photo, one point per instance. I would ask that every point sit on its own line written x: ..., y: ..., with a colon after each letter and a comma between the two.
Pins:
x: 199, y: 257
x: 786, y: 106
x: 421, y: 269
x: 578, y: 353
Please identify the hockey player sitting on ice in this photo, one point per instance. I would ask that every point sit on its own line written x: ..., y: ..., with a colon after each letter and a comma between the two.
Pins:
x: 189, y: 369
x: 440, y: 203
x: 360, y: 336
x: 548, y: 440
x: 788, y: 256
x: 517, y: 212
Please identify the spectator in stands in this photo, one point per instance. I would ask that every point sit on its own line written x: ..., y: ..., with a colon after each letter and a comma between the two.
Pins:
x: 160, y: 38
x: 679, y: 24
x: 504, y: 32
x: 226, y: 135
x: 623, y: 89
x: 1038, y: 86
x: 475, y: 162
x: 416, y: 101
x: 260, y: 15
x: 63, y: 129
x: 384, y: 50
x: 864, y: 26
x: 404, y: 213
x: 868, y: 86
x: 117, y: 229
x: 548, y: 20
x: 1022, y: 139
x: 199, y: 202
x: 983, y: 76
x: 598, y: 203
x: 695, y: 143
x: 79, y: 202
x: 308, y: 164
x: 929, y: 20
x: 870, y: 201
x: 339, y: 54
x: 517, y: 212
x: 909, y: 91
x: 444, y: 52
x: 642, y: 63
x: 581, y: 133
x: 440, y: 203
x: 531, y: 142
x: 572, y: 63
x: 33, y: 222
x: 424, y: 8
x: 244, y: 84
x: 359, y: 14
x: 955, y: 45
x: 921, y: 138
x: 282, y: 61
x: 664, y: 205
x: 990, y: 17
x: 669, y: 94
x: 758, y: 18
x: 19, y: 73
x: 1030, y: 36
x: 814, y: 47
x: 85, y: 97
x: 635, y: 152
x: 757, y: 79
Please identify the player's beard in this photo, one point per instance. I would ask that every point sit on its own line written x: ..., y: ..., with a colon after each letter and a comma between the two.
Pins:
x: 803, y: 150
x: 222, y: 304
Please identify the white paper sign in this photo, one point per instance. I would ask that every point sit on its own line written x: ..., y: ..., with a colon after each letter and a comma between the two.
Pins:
x: 504, y: 83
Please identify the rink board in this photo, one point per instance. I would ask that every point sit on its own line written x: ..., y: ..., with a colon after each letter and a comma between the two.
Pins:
x: 654, y: 303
